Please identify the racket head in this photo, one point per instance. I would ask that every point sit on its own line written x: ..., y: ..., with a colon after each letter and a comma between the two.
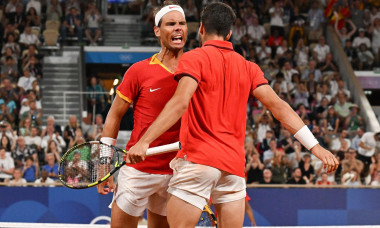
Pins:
x: 207, y: 218
x: 88, y: 164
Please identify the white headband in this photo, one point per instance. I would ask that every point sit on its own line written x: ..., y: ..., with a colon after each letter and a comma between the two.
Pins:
x: 166, y: 10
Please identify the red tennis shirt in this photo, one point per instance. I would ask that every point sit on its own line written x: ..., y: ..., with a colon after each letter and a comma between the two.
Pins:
x: 213, y: 126
x: 148, y: 84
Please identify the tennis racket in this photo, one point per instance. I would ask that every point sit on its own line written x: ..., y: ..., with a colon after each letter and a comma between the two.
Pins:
x: 91, y: 163
x: 207, y: 218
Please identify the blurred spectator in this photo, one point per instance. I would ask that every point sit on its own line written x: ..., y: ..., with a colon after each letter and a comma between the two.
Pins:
x: 95, y: 102
x: 324, y: 180
x: 275, y: 40
x: 281, y: 50
x: 351, y: 53
x: 301, y: 55
x: 361, y: 39
x: 92, y: 18
x: 297, y: 32
x: 264, y: 144
x: 279, y: 166
x: 353, y: 121
x: 54, y: 11
x: 341, y: 89
x: 69, y: 4
x: 332, y: 120
x: 10, y: 8
x: 51, y: 122
x: 78, y: 139
x: 307, y: 169
x: 9, y: 69
x: 73, y: 25
x: 51, y: 167
x: 191, y: 11
x: 34, y: 68
x: 280, y: 79
x: 27, y: 38
x: 30, y: 169
x: 375, y: 168
x: 301, y: 96
x: 6, y: 129
x: 25, y: 82
x: 6, y: 165
x: 311, y: 69
x: 17, y: 180
x: 11, y: 42
x: 264, y: 123
x: 52, y: 134
x: 267, y: 177
x: 287, y: 142
x: 33, y: 19
x: 351, y: 163
x: 263, y: 52
x: 33, y: 140
x: 44, y: 180
x: 342, y: 106
x: 36, y: 4
x: 53, y: 148
x: 34, y: 114
x: 7, y: 144
x: 238, y: 31
x: 355, y: 141
x: 254, y: 168
x: 374, y: 12
x: 296, y: 177
x: 315, y: 18
x: 328, y: 66
x: 320, y: 50
x: 276, y: 23
x: 376, y: 181
x: 342, y: 143
x: 374, y: 30
x: 24, y: 151
x: 11, y: 29
x: 70, y: 129
x: 255, y: 31
x: 270, y: 153
x: 365, y: 57
x: 367, y: 148
x: 95, y: 129
x: 7, y: 110
x: 351, y: 179
x: 9, y: 52
x: 25, y: 128
x: 357, y: 14
x: 343, y: 34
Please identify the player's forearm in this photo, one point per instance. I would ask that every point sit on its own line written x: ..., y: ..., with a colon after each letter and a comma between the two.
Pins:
x: 114, y: 116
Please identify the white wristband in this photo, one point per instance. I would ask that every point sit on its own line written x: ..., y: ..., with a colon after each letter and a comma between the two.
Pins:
x: 306, y: 138
x: 108, y: 140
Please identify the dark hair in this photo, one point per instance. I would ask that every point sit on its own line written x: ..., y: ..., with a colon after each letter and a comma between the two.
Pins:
x: 166, y: 3
x: 218, y: 18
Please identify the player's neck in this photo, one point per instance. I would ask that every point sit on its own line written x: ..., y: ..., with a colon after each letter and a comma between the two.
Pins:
x: 208, y: 37
x: 169, y: 58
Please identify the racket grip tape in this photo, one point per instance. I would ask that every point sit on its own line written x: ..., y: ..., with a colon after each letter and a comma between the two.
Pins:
x: 164, y: 148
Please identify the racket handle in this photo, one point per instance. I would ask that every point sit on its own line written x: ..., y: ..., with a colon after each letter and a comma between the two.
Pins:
x: 164, y: 149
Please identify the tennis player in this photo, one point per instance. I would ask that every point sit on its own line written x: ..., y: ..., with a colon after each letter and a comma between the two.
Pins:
x: 211, y: 97
x: 148, y: 84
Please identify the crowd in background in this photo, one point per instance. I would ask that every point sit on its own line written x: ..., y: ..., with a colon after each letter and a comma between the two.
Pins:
x: 284, y: 37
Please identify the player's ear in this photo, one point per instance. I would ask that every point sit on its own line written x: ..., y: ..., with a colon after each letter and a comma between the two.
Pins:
x: 157, y: 31
x: 229, y: 35
x: 201, y: 29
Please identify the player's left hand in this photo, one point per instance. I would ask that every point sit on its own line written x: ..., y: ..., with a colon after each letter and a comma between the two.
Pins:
x: 137, y: 153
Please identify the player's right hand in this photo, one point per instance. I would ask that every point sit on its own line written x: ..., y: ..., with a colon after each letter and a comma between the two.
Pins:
x: 105, y: 187
x: 330, y: 163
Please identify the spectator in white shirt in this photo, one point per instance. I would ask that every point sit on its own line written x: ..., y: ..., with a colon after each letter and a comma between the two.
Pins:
x: 26, y: 82
x: 27, y: 38
x: 51, y: 134
x: 45, y: 180
x: 321, y: 49
x: 255, y: 31
x: 33, y: 139
x: 276, y: 14
x: 7, y: 165
x: 361, y: 39
x: 93, y: 18
x: 367, y: 148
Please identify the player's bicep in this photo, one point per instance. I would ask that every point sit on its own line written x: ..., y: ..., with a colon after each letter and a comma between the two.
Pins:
x: 186, y: 88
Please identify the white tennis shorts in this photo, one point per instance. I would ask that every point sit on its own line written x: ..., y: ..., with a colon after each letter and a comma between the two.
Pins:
x: 138, y: 190
x: 196, y: 184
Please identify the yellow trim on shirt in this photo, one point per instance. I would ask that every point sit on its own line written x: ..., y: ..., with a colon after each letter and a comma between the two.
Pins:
x: 123, y: 97
x: 155, y: 60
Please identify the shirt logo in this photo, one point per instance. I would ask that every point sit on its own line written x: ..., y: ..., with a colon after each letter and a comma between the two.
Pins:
x: 171, y: 7
x: 152, y: 90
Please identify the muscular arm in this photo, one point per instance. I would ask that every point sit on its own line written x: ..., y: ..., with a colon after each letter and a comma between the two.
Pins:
x: 292, y: 122
x: 171, y: 113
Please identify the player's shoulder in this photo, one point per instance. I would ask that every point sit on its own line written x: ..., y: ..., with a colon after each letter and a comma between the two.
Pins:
x: 138, y: 68
x: 194, y: 52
